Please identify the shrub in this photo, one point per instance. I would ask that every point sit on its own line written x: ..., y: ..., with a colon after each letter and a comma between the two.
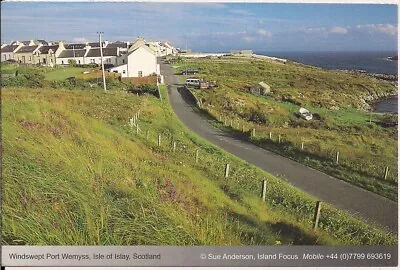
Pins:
x: 72, y: 62
x: 144, y: 88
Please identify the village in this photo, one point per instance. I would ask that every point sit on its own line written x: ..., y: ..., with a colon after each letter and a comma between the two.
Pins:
x: 129, y: 59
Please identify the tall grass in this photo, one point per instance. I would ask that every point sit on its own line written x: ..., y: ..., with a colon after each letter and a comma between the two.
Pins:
x: 76, y: 173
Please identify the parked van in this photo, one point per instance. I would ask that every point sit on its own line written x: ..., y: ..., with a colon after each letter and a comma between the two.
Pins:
x: 193, y: 82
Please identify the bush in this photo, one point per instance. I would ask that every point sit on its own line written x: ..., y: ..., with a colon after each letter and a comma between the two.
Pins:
x: 72, y: 62
x: 144, y: 88
x: 256, y: 115
x: 34, y: 79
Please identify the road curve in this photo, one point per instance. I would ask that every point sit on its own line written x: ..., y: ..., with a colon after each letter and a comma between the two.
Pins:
x: 341, y: 194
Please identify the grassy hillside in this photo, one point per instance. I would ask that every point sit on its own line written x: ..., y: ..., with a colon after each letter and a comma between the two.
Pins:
x: 366, y: 141
x: 75, y: 173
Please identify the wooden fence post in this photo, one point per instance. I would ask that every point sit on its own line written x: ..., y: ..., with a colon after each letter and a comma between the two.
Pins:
x: 386, y: 172
x: 225, y: 122
x: 279, y: 138
x: 317, y: 214
x: 159, y: 140
x: 302, y: 145
x: 263, y: 189
x: 231, y: 124
x: 131, y: 122
x: 243, y: 128
x: 253, y: 132
x: 174, y: 147
x: 337, y: 157
x: 137, y: 128
x: 197, y: 155
x: 147, y: 134
x: 227, y: 170
x: 270, y: 135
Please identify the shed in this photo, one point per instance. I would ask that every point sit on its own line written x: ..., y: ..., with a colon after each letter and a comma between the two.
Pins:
x: 261, y: 89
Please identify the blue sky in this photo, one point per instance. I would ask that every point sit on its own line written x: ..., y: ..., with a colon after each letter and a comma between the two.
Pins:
x: 209, y: 26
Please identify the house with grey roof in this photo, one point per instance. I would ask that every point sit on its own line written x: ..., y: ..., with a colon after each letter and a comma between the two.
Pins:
x: 7, y: 52
x: 25, y: 54
x: 46, y: 55
x: 75, y: 46
x: 66, y: 56
x: 110, y: 56
x: 41, y: 41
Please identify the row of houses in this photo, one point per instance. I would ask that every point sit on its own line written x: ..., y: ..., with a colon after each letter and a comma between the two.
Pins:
x: 137, y: 59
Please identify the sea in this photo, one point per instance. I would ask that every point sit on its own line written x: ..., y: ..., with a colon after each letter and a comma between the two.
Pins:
x: 371, y: 62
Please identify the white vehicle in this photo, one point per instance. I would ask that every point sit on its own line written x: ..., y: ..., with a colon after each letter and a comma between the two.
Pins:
x: 304, y: 113
x: 192, y: 82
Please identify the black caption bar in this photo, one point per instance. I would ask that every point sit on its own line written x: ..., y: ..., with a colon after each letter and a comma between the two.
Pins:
x: 199, y: 256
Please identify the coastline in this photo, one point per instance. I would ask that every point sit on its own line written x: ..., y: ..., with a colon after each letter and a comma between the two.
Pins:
x: 368, y: 101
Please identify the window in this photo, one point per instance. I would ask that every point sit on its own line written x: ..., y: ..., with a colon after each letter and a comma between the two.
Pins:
x: 30, y: 58
x: 79, y: 61
x: 140, y: 74
x: 123, y: 61
x: 62, y: 62
x: 108, y: 60
x: 92, y: 61
x: 123, y: 72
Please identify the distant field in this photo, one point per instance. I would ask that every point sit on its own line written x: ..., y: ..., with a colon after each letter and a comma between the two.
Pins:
x: 75, y: 173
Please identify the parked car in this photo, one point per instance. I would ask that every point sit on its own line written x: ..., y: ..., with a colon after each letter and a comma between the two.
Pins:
x: 193, y: 83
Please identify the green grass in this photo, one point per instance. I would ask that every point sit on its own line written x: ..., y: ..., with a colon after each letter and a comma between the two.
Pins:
x: 365, y: 144
x: 63, y: 73
x: 75, y: 173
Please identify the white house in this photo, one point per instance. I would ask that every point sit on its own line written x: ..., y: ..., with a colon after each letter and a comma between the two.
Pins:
x: 141, y: 62
x: 7, y: 52
x: 110, y: 56
x: 66, y: 55
x: 46, y: 55
x: 169, y: 49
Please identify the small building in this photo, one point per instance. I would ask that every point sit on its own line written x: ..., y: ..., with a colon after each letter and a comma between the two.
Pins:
x: 110, y: 56
x: 66, y: 56
x: 7, y: 52
x: 40, y: 42
x: 46, y: 55
x: 25, y: 54
x: 140, y: 62
x: 261, y: 89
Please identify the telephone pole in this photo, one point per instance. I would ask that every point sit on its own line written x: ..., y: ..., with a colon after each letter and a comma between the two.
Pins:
x: 102, y: 63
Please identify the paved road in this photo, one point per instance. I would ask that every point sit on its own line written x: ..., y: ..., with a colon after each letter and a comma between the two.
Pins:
x: 341, y: 194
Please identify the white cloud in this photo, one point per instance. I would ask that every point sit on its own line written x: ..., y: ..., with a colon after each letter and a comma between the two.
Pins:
x: 338, y: 30
x: 388, y: 29
x: 79, y: 40
x: 264, y: 33
x: 314, y: 30
x: 249, y: 39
